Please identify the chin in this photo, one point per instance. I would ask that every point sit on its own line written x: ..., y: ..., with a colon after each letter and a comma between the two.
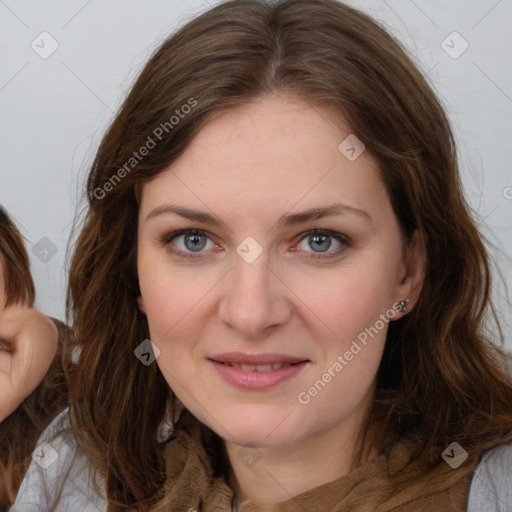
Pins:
x: 258, y: 428
x: 249, y: 439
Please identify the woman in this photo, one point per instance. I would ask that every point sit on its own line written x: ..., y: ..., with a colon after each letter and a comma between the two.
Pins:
x: 277, y: 207
x: 32, y: 384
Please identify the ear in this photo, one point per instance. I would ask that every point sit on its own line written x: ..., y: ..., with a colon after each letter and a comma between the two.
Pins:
x: 140, y: 303
x: 412, y: 271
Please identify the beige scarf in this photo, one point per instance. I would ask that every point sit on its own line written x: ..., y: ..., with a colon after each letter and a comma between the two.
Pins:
x: 191, y: 485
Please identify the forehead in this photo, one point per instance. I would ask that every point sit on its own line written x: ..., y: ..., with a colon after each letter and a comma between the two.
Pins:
x: 272, y: 151
x: 271, y: 132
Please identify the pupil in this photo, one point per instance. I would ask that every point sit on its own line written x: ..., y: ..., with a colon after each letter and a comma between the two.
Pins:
x: 322, y: 238
x: 195, y: 245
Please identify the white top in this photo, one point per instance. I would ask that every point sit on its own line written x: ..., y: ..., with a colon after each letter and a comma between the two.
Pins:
x: 53, y: 468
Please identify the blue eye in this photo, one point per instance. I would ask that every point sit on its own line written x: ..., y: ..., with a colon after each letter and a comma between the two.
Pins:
x: 195, y: 240
x: 322, y: 239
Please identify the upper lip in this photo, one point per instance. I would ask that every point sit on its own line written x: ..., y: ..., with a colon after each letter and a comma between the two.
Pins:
x: 256, y: 359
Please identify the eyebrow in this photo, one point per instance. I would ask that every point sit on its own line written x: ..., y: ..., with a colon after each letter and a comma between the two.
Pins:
x: 285, y: 220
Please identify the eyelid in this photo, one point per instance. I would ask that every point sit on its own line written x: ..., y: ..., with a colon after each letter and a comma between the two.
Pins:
x: 166, y: 239
x: 344, y: 240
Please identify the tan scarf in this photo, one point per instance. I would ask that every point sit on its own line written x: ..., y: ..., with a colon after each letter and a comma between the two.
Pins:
x: 191, y: 485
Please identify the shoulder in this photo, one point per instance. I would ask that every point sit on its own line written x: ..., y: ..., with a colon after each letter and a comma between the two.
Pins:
x: 491, y: 485
x: 59, y: 477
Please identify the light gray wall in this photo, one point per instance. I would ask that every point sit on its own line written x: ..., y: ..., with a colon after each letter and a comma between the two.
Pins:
x: 55, y: 109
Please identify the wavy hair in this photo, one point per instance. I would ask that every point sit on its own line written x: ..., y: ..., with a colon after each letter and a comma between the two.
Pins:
x: 19, y: 286
x: 443, y: 375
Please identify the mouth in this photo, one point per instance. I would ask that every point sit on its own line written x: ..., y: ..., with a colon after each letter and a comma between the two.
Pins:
x: 257, y: 372
x: 257, y: 367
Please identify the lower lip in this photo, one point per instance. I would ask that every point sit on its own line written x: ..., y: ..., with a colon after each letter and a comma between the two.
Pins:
x: 252, y: 379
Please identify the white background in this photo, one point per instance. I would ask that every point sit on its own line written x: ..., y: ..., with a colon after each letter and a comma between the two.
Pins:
x: 54, y: 111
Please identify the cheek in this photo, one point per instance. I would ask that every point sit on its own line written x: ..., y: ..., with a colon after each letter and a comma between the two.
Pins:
x: 347, y: 300
x: 175, y: 303
x: 169, y: 296
x: 171, y: 313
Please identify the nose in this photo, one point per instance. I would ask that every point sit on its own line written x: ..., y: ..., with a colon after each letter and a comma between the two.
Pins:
x: 255, y: 299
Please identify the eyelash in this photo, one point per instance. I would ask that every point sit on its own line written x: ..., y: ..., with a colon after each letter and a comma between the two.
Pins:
x: 344, y: 241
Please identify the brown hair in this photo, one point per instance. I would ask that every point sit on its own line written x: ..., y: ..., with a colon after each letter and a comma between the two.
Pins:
x: 19, y: 287
x: 441, y: 378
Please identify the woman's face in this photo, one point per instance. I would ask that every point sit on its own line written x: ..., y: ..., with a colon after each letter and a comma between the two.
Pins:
x: 254, y: 280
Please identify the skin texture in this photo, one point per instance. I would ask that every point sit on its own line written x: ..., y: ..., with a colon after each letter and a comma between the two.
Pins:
x: 249, y: 166
x: 28, y: 343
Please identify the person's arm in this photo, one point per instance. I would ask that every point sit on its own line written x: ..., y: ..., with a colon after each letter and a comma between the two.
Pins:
x: 28, y: 343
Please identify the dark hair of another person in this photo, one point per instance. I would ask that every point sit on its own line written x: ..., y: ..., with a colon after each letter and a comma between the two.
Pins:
x: 19, y: 286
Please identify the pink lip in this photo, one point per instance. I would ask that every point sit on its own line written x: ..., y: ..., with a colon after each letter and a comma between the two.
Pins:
x: 255, y: 380
x: 270, y: 358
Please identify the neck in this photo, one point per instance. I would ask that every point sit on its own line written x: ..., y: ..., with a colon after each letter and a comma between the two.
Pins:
x: 287, y: 471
